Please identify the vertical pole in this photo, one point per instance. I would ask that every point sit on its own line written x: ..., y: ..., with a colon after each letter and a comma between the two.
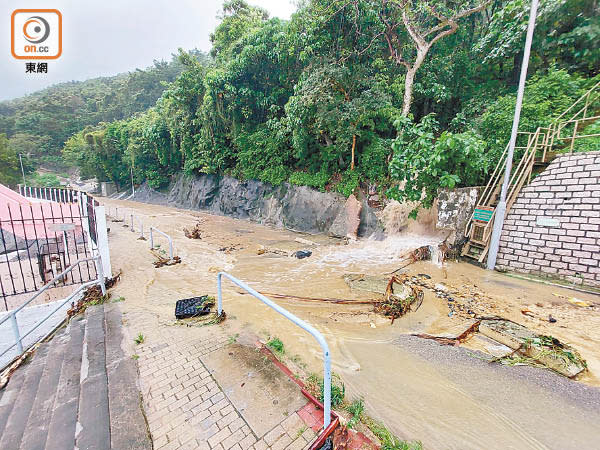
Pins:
x: 151, y: 239
x: 22, y: 170
x: 15, y: 327
x: 132, y: 230
x: 573, y: 138
x: 326, y: 389
x: 132, y: 186
x: 100, y: 272
x: 102, y: 240
x: 219, y: 295
x: 501, y: 208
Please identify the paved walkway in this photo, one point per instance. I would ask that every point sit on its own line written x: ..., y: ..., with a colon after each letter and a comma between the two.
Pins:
x: 187, y: 408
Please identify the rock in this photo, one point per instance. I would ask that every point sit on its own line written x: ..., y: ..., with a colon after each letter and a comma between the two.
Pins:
x: 298, y: 208
x: 551, y: 319
x: 455, y: 207
x: 347, y: 222
x: 301, y: 254
x: 440, y: 287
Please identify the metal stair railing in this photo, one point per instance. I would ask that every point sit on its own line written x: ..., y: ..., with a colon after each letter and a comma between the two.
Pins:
x: 12, y: 315
x: 539, y: 146
x: 578, y: 118
x: 492, y: 189
x: 296, y: 320
x: 520, y: 173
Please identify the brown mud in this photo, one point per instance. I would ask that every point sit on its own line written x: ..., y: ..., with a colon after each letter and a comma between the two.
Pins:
x: 437, y: 394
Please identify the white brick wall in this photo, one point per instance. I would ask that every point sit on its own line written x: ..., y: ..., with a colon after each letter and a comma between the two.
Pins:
x: 567, y: 191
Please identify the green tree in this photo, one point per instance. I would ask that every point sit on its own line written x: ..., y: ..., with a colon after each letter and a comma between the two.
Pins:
x: 9, y: 163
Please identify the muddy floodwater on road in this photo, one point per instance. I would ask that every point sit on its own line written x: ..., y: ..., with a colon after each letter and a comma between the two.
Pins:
x: 449, y: 397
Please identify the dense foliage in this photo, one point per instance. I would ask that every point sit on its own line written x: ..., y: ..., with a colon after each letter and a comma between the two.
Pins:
x: 39, y: 124
x: 411, y: 95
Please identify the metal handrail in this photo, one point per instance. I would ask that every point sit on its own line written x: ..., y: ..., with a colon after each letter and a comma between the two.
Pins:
x: 165, y: 235
x: 12, y: 315
x: 302, y: 324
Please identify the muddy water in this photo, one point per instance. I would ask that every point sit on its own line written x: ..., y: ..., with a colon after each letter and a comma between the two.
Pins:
x: 439, y: 395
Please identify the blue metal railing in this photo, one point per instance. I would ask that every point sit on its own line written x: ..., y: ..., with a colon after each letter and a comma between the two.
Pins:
x: 12, y: 315
x: 302, y: 324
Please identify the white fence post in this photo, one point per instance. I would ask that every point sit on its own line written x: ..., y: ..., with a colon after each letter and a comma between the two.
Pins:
x: 102, y: 240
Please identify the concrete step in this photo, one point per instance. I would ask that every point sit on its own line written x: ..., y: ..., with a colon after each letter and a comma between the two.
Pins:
x: 10, y: 393
x: 79, y: 390
x: 61, y: 430
x: 94, y: 420
x: 128, y: 428
x: 17, y: 420
x: 36, y: 430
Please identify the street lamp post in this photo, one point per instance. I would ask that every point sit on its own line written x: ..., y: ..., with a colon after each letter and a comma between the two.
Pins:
x: 22, y: 171
x: 501, y: 208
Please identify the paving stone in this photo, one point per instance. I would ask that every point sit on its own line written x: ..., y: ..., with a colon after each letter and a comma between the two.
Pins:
x: 282, y: 442
x: 219, y: 437
x: 272, y: 436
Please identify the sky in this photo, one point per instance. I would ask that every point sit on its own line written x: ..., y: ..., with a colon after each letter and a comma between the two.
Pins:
x: 106, y: 37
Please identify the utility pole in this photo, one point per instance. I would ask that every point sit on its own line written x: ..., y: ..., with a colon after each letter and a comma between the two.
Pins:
x: 22, y: 171
x: 132, y: 186
x: 501, y: 208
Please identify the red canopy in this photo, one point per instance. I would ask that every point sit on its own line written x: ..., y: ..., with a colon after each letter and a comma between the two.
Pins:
x: 33, y: 219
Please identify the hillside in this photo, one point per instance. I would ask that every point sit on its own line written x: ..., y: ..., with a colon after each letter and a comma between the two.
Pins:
x: 39, y: 124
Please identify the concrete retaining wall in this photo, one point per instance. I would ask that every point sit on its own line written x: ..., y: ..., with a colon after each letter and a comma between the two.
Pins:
x: 553, y: 227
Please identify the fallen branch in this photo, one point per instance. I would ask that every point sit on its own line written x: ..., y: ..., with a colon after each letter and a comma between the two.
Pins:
x: 313, y: 299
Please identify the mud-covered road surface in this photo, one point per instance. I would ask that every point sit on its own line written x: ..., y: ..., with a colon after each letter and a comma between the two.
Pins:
x: 446, y: 397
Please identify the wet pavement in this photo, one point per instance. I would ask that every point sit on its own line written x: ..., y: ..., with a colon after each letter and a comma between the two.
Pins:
x: 446, y: 397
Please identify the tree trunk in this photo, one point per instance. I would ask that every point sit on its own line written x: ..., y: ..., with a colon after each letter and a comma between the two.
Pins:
x: 410, y: 80
x: 408, y: 89
x: 353, y: 147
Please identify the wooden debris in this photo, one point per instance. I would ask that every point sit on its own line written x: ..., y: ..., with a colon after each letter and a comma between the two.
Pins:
x: 424, y: 253
x: 453, y: 338
x: 399, y: 296
x: 162, y: 261
x: 193, y: 233
x: 546, y: 350
x: 262, y: 250
x: 305, y: 241
x: 338, y: 301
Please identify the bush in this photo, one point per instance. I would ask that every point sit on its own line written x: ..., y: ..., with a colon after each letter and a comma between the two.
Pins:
x: 349, y: 183
x: 546, y: 97
x: 425, y: 164
x: 317, y: 180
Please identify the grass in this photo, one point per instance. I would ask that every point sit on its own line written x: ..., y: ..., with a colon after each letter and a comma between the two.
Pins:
x: 139, y: 339
x: 276, y: 345
x: 316, y: 385
x: 355, y: 408
x: 233, y: 338
x: 118, y: 299
x: 388, y: 440
x: 549, y: 346
x: 301, y: 432
x: 136, y: 357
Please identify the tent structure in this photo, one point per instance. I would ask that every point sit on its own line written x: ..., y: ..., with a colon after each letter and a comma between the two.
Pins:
x: 24, y: 219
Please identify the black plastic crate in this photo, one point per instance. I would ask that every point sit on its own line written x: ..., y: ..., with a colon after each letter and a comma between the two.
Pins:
x: 193, y: 307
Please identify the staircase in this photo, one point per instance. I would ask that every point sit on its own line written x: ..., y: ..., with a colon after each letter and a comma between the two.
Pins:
x: 78, y: 390
x: 538, y: 150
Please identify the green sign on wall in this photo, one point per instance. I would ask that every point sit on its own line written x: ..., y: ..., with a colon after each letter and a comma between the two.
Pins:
x: 484, y: 215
